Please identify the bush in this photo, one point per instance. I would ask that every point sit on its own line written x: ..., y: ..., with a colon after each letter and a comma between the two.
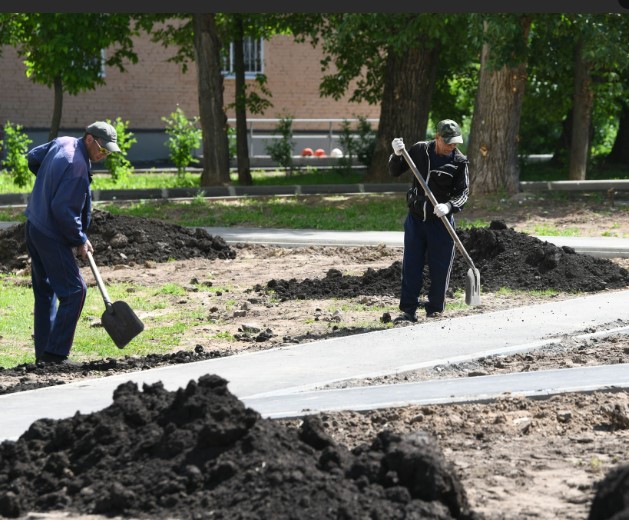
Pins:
x: 281, y: 150
x: 15, y: 144
x: 231, y: 139
x: 360, y: 143
x: 184, y: 138
x: 117, y: 163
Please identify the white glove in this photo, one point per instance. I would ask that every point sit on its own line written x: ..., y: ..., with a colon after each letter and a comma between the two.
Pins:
x: 443, y: 209
x: 398, y: 145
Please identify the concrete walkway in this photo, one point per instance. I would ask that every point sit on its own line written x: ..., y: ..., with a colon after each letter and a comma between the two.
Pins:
x: 607, y: 247
x: 288, y: 371
x: 458, y: 390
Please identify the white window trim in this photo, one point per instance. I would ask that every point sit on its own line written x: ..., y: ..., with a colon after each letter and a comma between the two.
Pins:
x: 229, y: 74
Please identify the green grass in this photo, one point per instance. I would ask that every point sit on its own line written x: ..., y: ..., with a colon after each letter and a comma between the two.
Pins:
x: 166, y: 322
x: 366, y: 212
x: 552, y: 231
x: 190, y: 179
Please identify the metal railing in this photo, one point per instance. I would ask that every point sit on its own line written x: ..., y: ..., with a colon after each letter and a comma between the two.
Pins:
x: 311, y: 132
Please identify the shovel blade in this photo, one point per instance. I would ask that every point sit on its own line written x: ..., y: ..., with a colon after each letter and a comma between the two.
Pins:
x: 121, y: 323
x: 472, y: 287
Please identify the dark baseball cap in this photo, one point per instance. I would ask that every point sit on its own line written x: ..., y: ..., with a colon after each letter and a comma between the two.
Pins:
x: 449, y: 131
x: 106, y: 133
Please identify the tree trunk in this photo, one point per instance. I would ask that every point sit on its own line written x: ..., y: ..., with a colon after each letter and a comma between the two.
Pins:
x: 620, y: 150
x: 583, y: 99
x: 57, y: 109
x: 211, y: 114
x: 408, y: 87
x: 242, y: 150
x: 493, y: 144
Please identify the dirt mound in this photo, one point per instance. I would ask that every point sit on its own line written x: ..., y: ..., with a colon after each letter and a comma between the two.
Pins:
x: 612, y: 496
x: 505, y: 259
x: 120, y: 239
x: 199, y: 453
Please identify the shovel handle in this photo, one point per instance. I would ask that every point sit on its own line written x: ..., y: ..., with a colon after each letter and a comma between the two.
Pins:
x: 433, y: 200
x: 99, y: 280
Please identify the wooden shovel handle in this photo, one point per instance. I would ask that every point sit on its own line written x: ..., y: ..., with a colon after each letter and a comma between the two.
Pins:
x: 99, y: 280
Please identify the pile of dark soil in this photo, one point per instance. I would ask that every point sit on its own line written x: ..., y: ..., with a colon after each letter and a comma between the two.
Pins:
x: 120, y: 239
x: 199, y: 453
x: 505, y: 259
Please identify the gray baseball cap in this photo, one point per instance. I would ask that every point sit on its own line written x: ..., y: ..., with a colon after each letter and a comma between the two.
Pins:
x: 106, y: 133
x: 449, y: 131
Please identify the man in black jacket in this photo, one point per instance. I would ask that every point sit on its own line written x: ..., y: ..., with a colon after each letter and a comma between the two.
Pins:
x: 426, y: 239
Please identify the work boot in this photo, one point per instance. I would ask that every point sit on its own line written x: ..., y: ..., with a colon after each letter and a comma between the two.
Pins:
x: 49, y: 357
x: 405, y: 316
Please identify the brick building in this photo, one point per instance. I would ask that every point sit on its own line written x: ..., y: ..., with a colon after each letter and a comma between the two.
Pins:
x: 154, y: 87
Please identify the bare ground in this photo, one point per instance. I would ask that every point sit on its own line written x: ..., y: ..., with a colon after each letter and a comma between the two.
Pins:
x: 515, y: 457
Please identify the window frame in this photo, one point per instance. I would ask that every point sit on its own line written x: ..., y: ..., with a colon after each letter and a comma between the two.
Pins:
x: 229, y: 60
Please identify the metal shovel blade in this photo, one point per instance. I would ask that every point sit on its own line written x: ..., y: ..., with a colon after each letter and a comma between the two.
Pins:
x: 121, y: 323
x: 472, y: 287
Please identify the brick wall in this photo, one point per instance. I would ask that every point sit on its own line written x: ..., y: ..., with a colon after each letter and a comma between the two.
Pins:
x: 152, y: 88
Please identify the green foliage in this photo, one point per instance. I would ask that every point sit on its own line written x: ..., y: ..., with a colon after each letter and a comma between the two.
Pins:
x: 281, y: 149
x: 183, y: 138
x: 117, y: 163
x: 67, y: 47
x: 254, y: 95
x: 233, y: 145
x: 347, y: 145
x: 15, y: 144
x: 359, y: 142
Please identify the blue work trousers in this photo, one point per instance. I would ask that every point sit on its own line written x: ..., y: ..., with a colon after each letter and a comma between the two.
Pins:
x: 59, y: 291
x: 426, y: 242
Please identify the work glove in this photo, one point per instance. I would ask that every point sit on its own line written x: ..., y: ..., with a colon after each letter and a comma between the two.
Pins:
x: 398, y: 145
x: 443, y: 209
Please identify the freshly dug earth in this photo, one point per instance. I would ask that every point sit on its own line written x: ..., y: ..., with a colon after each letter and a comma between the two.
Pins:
x: 199, y: 453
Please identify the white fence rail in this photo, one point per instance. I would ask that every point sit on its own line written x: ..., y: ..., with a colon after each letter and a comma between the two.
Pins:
x: 307, y: 133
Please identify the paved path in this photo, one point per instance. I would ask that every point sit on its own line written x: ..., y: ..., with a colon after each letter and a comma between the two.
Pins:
x: 288, y: 371
x: 608, y: 247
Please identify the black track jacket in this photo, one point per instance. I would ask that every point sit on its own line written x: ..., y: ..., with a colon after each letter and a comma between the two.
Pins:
x: 449, y: 183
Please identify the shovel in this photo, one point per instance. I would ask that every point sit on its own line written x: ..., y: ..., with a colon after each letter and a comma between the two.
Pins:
x: 472, y: 281
x: 118, y: 320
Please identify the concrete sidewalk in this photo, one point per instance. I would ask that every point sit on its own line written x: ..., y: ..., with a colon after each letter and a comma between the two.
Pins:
x: 457, y: 390
x: 607, y: 247
x: 289, y: 370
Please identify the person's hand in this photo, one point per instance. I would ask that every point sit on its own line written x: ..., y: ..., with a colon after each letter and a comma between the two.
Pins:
x: 83, y: 249
x: 442, y: 209
x: 398, y: 145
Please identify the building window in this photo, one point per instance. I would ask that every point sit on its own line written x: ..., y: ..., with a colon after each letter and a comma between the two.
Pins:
x: 101, y: 58
x: 253, y: 51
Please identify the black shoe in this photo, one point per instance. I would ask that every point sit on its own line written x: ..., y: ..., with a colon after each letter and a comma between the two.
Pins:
x: 405, y: 316
x: 49, y: 357
x: 433, y: 314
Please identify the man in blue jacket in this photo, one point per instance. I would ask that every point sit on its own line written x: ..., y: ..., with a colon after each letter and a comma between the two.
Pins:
x: 426, y: 239
x: 58, y: 215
